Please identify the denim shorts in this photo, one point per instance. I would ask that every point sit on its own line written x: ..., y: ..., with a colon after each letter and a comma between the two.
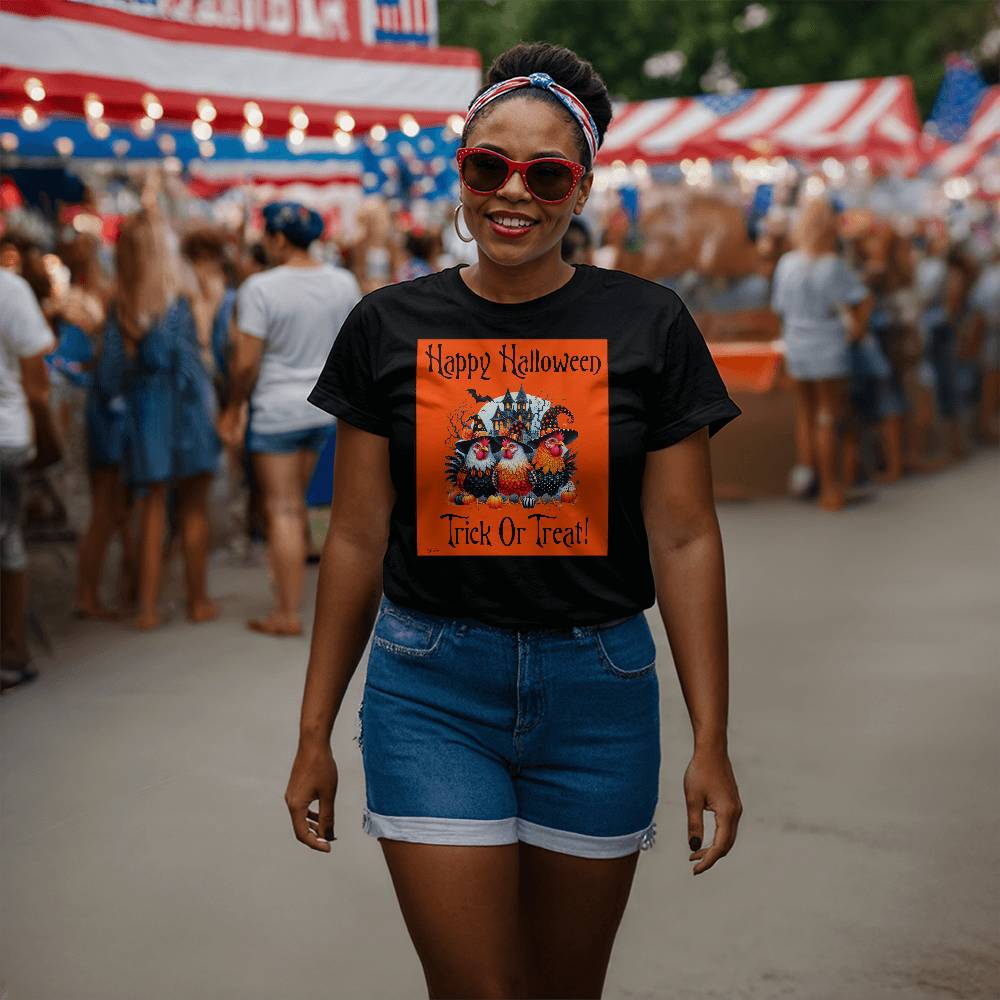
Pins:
x: 473, y: 734
x: 287, y: 442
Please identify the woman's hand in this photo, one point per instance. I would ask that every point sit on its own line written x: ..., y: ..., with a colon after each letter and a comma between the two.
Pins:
x: 232, y: 425
x: 709, y: 784
x: 314, y: 776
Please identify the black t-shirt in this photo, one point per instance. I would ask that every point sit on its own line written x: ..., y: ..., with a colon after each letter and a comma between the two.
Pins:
x: 518, y: 435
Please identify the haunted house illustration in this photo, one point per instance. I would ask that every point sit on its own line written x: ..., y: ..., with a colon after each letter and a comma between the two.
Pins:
x: 509, y: 409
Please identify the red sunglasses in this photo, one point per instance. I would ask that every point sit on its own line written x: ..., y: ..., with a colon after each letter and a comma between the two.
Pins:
x: 550, y: 179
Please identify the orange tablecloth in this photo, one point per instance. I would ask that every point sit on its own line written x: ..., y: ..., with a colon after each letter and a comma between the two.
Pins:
x: 748, y: 366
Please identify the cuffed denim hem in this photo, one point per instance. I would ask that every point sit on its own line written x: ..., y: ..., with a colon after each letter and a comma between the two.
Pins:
x: 494, y: 832
x: 431, y: 830
x: 582, y: 845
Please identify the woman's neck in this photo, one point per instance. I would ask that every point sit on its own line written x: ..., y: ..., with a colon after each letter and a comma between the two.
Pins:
x: 520, y: 283
x: 301, y: 258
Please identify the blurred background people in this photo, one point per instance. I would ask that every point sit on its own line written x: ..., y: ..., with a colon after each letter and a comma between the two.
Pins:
x: 984, y: 301
x: 939, y: 281
x: 171, y: 408
x: 287, y: 319
x: 824, y: 308
x: 25, y: 340
x: 213, y: 299
x: 576, y: 243
x: 419, y: 251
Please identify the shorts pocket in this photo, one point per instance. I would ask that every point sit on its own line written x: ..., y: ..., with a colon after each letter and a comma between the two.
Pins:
x: 627, y: 649
x: 406, y: 635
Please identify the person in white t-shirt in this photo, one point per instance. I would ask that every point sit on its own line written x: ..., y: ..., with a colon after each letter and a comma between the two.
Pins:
x: 287, y: 319
x: 25, y: 340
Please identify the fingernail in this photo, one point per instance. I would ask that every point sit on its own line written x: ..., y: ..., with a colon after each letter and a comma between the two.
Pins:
x: 694, y: 843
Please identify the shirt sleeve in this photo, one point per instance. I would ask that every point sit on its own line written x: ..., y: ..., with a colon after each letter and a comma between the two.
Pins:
x: 688, y: 392
x: 26, y: 330
x: 348, y: 385
x: 251, y: 311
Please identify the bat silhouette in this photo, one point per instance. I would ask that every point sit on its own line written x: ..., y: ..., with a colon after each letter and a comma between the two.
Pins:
x: 479, y: 398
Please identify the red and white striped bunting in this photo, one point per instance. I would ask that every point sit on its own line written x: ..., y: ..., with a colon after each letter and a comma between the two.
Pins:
x: 874, y: 117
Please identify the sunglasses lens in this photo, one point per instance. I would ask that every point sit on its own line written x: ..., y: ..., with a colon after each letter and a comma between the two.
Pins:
x: 550, y: 181
x: 483, y: 171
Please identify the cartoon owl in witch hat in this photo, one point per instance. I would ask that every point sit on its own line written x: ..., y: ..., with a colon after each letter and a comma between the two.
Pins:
x: 471, y: 466
x: 553, y: 463
x: 513, y: 476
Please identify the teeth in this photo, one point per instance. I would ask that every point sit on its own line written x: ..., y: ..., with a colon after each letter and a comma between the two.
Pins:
x: 512, y: 223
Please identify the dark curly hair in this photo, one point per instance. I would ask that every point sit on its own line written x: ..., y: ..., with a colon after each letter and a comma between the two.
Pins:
x: 567, y: 69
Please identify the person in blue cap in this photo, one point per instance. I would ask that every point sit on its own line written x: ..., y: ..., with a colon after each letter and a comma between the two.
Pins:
x: 286, y: 319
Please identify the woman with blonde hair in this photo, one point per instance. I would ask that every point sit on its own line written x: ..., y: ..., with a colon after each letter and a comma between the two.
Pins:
x: 171, y: 438
x: 824, y: 308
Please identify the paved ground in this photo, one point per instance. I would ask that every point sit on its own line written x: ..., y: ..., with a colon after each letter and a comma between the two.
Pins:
x: 146, y: 850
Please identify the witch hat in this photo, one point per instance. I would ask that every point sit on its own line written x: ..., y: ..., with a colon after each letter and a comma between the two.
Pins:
x: 478, y: 431
x: 518, y: 431
x: 550, y: 424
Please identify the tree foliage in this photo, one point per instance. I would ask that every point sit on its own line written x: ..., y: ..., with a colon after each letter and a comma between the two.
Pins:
x: 804, y: 41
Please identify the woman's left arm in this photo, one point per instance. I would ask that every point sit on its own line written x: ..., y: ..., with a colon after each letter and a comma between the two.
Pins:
x: 686, y: 553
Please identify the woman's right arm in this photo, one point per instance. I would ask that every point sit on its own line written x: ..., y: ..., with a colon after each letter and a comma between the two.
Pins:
x: 347, y: 602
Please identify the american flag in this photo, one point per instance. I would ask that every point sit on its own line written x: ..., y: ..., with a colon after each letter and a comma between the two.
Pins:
x: 980, y: 138
x: 957, y: 99
x: 964, y: 126
x: 406, y: 21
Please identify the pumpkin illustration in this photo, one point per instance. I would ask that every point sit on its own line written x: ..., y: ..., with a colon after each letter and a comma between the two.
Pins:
x: 568, y: 495
x: 495, y: 501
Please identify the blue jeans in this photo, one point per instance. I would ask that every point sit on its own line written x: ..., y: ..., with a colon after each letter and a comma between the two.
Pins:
x: 288, y: 442
x: 478, y: 735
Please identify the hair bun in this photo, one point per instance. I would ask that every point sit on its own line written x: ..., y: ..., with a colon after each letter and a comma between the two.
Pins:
x: 565, y: 67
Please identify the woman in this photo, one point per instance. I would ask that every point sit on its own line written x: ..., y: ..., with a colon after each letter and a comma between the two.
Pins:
x: 559, y: 437
x: 941, y: 289
x: 170, y: 410
x: 824, y: 308
x: 83, y: 367
x: 287, y: 318
x: 205, y: 248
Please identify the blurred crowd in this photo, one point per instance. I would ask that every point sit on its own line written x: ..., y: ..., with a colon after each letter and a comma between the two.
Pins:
x: 163, y: 378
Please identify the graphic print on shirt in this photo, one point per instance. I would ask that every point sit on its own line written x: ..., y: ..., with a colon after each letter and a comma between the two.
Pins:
x: 512, y: 447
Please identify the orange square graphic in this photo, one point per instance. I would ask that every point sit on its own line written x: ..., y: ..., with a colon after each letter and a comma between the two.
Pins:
x: 512, y: 447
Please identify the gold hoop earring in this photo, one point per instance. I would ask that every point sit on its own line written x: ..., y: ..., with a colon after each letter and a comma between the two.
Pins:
x: 458, y: 208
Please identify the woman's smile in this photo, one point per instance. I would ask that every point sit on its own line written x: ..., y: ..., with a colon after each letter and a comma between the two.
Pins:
x: 511, y: 225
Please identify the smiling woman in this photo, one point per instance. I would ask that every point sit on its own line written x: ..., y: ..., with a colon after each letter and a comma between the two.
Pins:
x: 528, y: 145
x: 520, y: 440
